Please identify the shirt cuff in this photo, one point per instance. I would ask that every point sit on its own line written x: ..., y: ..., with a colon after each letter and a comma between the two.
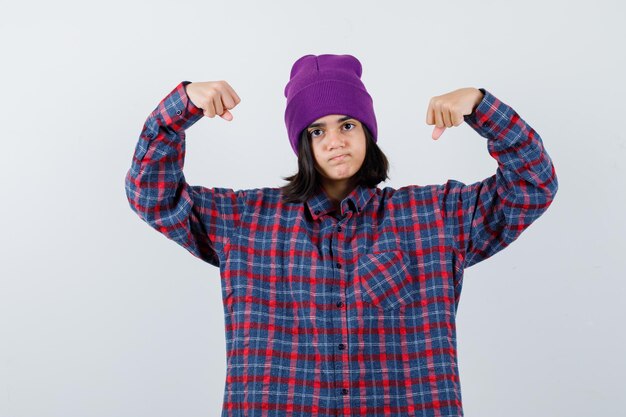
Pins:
x: 490, y: 116
x: 177, y: 110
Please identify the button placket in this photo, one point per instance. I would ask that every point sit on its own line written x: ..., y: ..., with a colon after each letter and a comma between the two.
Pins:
x: 338, y: 249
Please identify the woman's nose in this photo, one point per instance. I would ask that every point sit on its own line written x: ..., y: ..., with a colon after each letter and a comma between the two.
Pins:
x: 334, y: 139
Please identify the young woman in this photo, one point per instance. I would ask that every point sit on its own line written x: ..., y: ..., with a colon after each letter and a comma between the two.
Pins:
x: 339, y: 297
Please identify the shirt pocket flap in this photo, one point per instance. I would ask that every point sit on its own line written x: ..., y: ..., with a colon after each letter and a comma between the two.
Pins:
x: 385, y: 279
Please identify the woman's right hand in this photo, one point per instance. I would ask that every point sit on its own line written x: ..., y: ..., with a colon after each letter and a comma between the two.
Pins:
x: 213, y: 97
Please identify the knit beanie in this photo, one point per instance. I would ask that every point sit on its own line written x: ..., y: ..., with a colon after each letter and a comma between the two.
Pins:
x: 320, y: 85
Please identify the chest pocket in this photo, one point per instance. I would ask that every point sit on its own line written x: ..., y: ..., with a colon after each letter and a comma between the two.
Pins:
x: 385, y: 279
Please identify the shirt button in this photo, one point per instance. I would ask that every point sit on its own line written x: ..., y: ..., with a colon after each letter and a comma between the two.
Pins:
x: 338, y: 265
x: 317, y: 212
x: 339, y: 228
x: 342, y: 346
x: 340, y: 304
x: 344, y: 391
x: 179, y: 112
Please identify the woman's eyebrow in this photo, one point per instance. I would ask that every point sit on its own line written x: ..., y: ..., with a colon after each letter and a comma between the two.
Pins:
x: 319, y: 124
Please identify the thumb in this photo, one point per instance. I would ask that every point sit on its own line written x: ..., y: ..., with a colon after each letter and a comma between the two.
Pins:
x: 437, y: 131
x: 227, y: 115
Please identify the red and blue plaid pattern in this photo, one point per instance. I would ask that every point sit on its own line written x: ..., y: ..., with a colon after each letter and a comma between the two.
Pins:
x: 348, y: 312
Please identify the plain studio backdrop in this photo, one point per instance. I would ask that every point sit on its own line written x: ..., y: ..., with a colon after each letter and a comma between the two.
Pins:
x: 103, y: 316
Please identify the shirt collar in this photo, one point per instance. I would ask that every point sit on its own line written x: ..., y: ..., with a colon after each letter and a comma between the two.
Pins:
x: 319, y: 204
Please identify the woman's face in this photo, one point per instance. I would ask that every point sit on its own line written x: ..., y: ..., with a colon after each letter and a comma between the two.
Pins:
x: 341, y: 136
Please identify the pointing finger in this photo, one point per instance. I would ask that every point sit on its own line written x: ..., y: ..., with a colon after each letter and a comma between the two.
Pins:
x: 437, y: 131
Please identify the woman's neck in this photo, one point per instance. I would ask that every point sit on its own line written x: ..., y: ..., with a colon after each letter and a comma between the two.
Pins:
x: 338, y: 190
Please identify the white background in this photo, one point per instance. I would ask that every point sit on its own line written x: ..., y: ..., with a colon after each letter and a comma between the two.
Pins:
x: 103, y: 316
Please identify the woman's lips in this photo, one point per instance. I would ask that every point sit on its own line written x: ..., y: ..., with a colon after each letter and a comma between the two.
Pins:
x: 339, y: 158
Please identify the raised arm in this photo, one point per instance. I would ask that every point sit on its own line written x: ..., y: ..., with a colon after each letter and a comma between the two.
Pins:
x: 484, y: 217
x: 198, y: 218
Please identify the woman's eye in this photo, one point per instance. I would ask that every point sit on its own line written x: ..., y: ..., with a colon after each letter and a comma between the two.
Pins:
x: 313, y: 135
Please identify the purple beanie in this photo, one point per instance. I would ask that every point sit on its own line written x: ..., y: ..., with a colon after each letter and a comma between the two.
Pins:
x: 326, y: 84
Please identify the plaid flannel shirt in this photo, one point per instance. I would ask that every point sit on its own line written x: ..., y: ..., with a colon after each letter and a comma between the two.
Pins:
x: 348, y: 312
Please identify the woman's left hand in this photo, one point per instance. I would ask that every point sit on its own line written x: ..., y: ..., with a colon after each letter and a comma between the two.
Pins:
x: 448, y: 110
